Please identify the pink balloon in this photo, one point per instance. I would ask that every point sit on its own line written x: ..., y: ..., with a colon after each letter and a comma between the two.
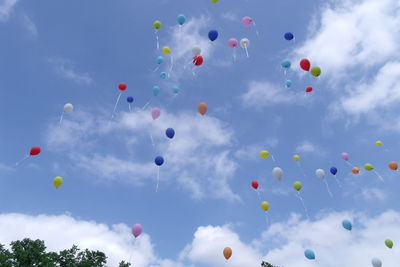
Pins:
x: 345, y: 156
x: 233, y: 43
x: 247, y: 21
x: 155, y: 113
x: 137, y: 230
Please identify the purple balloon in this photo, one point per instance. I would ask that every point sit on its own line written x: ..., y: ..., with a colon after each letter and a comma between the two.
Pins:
x: 155, y: 113
x: 137, y: 230
x: 247, y: 21
x: 233, y: 43
x: 345, y: 156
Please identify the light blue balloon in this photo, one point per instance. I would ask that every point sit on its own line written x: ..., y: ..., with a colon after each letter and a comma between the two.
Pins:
x: 288, y: 83
x: 175, y: 89
x: 181, y: 19
x: 160, y: 60
x: 347, y: 225
x: 163, y: 75
x: 156, y: 90
x: 286, y: 64
x: 309, y: 254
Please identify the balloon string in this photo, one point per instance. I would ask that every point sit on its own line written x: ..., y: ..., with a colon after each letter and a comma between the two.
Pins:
x: 258, y: 193
x: 156, y: 68
x: 337, y: 181
x: 130, y: 108
x: 116, y: 103
x: 234, y: 55
x: 247, y: 52
x: 257, y: 33
x: 62, y: 115
x: 327, y: 187
x: 158, y: 43
x: 172, y: 100
x: 172, y: 63
x: 266, y: 218
x: 22, y: 160
x: 379, y: 176
x: 349, y: 163
x: 152, y: 140
x: 301, y: 169
x: 273, y: 158
x: 158, y: 177
x: 148, y: 102
x: 304, y: 205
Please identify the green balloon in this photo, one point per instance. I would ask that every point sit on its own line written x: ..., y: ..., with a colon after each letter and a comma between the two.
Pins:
x: 157, y: 24
x: 368, y: 167
x: 315, y: 71
x: 297, y: 185
x: 389, y: 243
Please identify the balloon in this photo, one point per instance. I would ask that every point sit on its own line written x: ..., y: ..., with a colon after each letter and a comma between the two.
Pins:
x: 212, y: 35
x: 245, y: 43
x: 309, y: 254
x: 389, y: 243
x: 296, y: 157
x: 34, y: 151
x: 376, y: 262
x: 316, y: 71
x: 157, y: 24
x: 355, y: 170
x: 227, y: 251
x: 264, y: 154
x: 122, y: 86
x: 214, y: 1
x: 175, y: 89
x: 277, y: 173
x: 137, y: 230
x: 247, y: 21
x: 129, y: 99
x: 345, y: 156
x: 254, y: 184
x: 368, y: 167
x: 305, y: 64
x: 233, y: 43
x: 170, y: 133
x: 333, y: 170
x: 288, y: 83
x: 347, y: 225
x: 155, y: 113
x: 163, y: 75
x: 289, y: 36
x: 297, y: 185
x: 156, y: 90
x: 57, y: 181
x: 286, y: 64
x: 196, y: 50
x: 265, y: 205
x: 198, y: 60
x: 378, y: 143
x: 160, y: 60
x: 166, y: 50
x: 181, y: 19
x: 68, y: 108
x: 320, y: 173
x: 202, y: 108
x: 393, y: 165
x: 159, y: 161
x: 309, y: 89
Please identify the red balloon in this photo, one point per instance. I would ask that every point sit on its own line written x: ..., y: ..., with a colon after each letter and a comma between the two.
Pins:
x: 309, y: 89
x: 305, y: 64
x: 34, y: 151
x: 254, y: 184
x: 198, y: 60
x: 122, y: 86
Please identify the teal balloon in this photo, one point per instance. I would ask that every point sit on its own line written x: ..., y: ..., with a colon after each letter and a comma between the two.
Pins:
x: 163, y: 75
x: 175, y: 89
x: 156, y: 90
x: 347, y: 225
x: 288, y: 83
x: 181, y: 19
x: 309, y: 254
x: 286, y: 64
x: 160, y: 60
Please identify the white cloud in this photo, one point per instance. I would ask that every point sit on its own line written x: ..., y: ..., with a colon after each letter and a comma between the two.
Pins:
x: 6, y: 8
x: 66, y: 69
x: 307, y: 147
x: 29, y: 25
x: 373, y: 194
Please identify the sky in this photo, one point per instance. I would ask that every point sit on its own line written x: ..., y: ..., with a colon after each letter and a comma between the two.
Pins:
x: 58, y: 52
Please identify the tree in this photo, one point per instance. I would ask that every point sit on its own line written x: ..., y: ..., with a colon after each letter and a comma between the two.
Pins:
x: 33, y: 253
x: 267, y: 264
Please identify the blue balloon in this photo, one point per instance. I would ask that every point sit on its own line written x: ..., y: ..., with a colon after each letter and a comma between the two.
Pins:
x: 286, y: 64
x: 159, y: 161
x: 347, y: 225
x: 163, y: 75
x: 160, y: 60
x: 288, y: 83
x: 170, y: 133
x: 334, y: 170
x: 213, y: 35
x: 156, y: 90
x: 309, y: 254
x: 129, y: 99
x: 289, y: 36
x: 175, y: 89
x: 181, y: 19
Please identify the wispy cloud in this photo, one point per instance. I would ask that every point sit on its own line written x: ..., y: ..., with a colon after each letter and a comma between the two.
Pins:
x: 29, y: 25
x: 65, y: 68
x: 373, y: 194
x: 6, y: 8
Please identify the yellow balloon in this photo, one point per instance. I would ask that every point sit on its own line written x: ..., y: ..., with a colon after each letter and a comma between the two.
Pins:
x: 157, y: 24
x: 264, y: 154
x: 378, y: 143
x: 57, y: 182
x: 296, y: 157
x: 265, y: 205
x: 214, y: 1
x: 166, y: 50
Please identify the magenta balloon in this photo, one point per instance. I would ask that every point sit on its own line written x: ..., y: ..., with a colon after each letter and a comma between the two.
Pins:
x: 137, y: 230
x: 247, y: 21
x: 233, y: 43
x: 155, y: 113
x: 345, y: 156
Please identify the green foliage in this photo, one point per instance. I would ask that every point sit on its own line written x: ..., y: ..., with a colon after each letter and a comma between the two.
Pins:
x: 267, y: 264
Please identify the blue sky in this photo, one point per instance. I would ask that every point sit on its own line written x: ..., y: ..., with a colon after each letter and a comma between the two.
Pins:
x: 54, y: 53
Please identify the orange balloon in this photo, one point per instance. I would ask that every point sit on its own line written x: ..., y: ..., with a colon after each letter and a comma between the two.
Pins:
x: 393, y: 165
x: 227, y: 253
x: 202, y: 108
x: 355, y: 170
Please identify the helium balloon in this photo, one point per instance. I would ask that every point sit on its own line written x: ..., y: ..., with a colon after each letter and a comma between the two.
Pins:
x: 376, y: 262
x: 157, y: 25
x: 160, y: 60
x: 233, y: 43
x: 289, y: 36
x: 389, y: 243
x: 254, y: 184
x: 34, y: 151
x: 333, y: 170
x: 309, y: 254
x: 198, y: 60
x: 393, y: 165
x: 368, y: 167
x: 286, y: 64
x: 212, y: 35
x: 264, y: 154
x: 288, y: 83
x: 297, y: 185
x: 175, y: 89
x: 196, y: 50
x: 137, y: 230
x: 159, y: 161
x: 170, y: 133
x: 355, y: 170
x: 214, y: 1
x: 244, y: 43
x: 155, y: 113
x: 305, y: 64
x: 316, y: 71
x: 202, y: 108
x: 265, y: 205
x: 347, y: 225
x: 166, y: 50
x: 277, y: 173
x: 247, y: 21
x: 378, y: 143
x: 156, y: 90
x: 129, y: 99
x: 309, y: 89
x: 122, y: 86
x: 57, y: 181
x: 181, y: 19
x: 68, y: 108
x: 296, y: 157
x: 320, y: 173
x: 227, y: 251
x: 345, y: 156
x: 163, y: 75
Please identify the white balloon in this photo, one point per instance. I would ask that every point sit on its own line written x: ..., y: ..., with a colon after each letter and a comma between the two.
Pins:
x: 68, y: 108
x: 277, y: 173
x: 245, y: 43
x: 376, y: 262
x: 320, y: 173
x: 196, y: 51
